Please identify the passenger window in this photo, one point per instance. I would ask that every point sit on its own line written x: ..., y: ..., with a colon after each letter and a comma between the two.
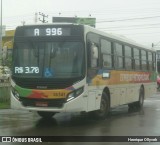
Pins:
x: 106, y: 47
x: 107, y: 53
x: 128, y: 57
x: 150, y: 61
x: 136, y: 56
x: 120, y: 56
x: 143, y: 60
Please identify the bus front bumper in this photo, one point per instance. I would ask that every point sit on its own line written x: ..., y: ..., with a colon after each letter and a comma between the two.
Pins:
x: 76, y: 105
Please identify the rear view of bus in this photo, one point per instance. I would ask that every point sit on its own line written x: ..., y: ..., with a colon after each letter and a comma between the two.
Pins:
x: 48, y: 69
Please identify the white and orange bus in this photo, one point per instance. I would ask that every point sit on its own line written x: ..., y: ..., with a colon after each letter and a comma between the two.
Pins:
x: 77, y: 68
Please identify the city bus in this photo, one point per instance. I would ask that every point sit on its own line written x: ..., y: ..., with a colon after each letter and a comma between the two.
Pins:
x: 76, y: 68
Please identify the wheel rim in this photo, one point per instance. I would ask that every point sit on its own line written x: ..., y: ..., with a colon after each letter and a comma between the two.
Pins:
x: 141, y: 99
x: 103, y: 106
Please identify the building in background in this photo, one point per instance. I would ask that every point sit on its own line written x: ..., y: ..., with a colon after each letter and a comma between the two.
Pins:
x: 7, y: 46
x: 76, y: 20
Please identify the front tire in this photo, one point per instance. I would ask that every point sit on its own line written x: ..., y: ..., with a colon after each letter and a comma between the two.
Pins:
x: 104, y: 107
x: 47, y: 115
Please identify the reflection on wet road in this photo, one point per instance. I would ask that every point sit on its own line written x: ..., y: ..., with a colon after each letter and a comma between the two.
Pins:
x: 120, y: 122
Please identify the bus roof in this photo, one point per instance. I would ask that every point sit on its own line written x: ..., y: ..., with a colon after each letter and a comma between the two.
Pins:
x: 87, y: 28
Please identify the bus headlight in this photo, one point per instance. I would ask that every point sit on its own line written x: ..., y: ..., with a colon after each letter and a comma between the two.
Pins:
x: 15, y: 93
x: 75, y: 94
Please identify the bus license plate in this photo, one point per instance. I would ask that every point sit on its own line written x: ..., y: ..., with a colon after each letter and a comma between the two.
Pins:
x: 41, y: 104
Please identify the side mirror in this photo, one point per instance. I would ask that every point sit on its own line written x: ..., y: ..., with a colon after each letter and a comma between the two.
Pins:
x: 94, y: 51
x: 94, y: 55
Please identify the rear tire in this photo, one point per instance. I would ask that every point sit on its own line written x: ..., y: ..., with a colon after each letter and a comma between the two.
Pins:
x: 138, y: 104
x: 44, y: 114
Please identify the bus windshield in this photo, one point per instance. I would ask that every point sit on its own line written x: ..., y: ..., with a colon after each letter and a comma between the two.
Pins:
x: 48, y: 59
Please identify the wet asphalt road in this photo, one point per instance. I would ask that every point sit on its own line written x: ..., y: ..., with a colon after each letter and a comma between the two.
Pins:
x: 120, y: 122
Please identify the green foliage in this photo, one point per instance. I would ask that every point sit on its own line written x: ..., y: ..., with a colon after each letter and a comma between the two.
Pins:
x: 4, y: 97
x: 5, y: 105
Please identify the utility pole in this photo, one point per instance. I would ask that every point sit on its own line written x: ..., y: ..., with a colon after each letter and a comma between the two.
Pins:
x: 43, y: 17
x: 1, y: 33
x: 156, y: 45
x: 36, y: 18
x: 23, y: 23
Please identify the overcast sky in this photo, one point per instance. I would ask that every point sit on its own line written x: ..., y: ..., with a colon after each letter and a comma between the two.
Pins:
x: 138, y: 20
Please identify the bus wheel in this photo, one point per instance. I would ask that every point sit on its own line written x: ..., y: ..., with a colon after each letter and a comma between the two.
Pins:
x: 139, y: 104
x: 44, y: 114
x: 104, y: 107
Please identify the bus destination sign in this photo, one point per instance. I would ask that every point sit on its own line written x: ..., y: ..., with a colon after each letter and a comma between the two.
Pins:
x: 49, y: 31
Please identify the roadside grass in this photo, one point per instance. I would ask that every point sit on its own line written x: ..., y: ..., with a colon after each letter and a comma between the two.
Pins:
x: 4, y: 96
x: 4, y: 105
